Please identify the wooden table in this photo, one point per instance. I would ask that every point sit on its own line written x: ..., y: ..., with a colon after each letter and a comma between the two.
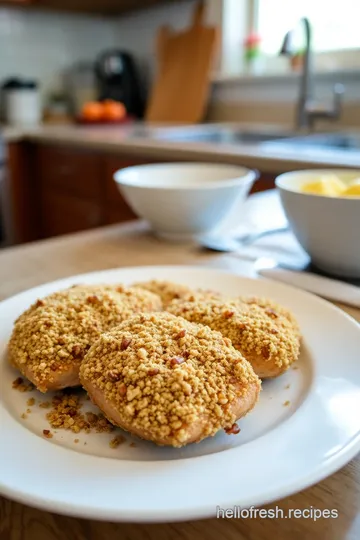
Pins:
x: 129, y: 245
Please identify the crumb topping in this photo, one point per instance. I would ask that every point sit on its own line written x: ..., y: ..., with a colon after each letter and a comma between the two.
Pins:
x: 280, y: 315
x: 172, y: 374
x: 167, y: 290
x: 66, y: 414
x: 54, y: 334
x: 247, y: 327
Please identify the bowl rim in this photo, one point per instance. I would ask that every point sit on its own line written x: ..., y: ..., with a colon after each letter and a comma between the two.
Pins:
x: 303, y: 172
x: 243, y: 176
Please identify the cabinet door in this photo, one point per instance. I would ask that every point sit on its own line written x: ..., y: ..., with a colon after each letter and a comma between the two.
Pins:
x: 70, y: 170
x: 117, y: 209
x: 265, y: 182
x: 64, y: 214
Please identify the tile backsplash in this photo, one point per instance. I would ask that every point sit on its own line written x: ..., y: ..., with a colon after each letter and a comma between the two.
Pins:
x: 41, y: 45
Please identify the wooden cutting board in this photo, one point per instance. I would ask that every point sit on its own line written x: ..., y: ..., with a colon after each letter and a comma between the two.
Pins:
x: 185, y: 61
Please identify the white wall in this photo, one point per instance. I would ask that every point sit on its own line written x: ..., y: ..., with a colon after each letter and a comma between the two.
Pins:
x: 41, y: 45
x: 137, y: 31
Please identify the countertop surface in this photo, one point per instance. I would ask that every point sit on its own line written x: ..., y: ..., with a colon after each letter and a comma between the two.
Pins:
x: 129, y: 245
x: 137, y: 141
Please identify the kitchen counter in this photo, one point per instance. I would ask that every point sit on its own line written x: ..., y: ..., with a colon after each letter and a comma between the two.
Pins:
x: 126, y: 140
x: 129, y: 245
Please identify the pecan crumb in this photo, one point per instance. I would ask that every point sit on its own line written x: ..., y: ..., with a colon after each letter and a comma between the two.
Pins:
x: 45, y: 405
x: 39, y: 303
x: 22, y: 386
x: 30, y: 402
x: 92, y: 299
x: 286, y: 403
x: 76, y: 351
x: 176, y: 360
x: 116, y: 441
x: 228, y: 314
x: 181, y: 334
x: 153, y: 372
x: 113, y: 376
x: 17, y: 382
x: 122, y: 390
x: 272, y: 313
x: 233, y: 430
x: 125, y: 343
x: 47, y: 433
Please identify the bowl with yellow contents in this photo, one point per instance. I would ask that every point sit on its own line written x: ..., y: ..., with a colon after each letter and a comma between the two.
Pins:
x: 323, y: 210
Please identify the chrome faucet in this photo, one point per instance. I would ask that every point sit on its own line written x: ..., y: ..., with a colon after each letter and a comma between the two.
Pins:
x: 308, y: 109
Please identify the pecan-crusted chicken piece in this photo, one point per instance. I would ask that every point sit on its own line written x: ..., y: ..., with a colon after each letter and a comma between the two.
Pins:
x: 270, y: 343
x: 168, y: 380
x: 52, y: 337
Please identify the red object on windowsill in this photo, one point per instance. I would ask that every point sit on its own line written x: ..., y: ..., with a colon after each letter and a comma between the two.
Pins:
x: 252, y: 40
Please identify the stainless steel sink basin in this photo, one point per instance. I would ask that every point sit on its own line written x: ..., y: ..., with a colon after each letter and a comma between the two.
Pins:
x: 217, y: 135
x: 269, y: 139
x: 324, y: 141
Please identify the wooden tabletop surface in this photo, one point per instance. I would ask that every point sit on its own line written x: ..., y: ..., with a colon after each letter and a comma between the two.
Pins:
x: 130, y: 245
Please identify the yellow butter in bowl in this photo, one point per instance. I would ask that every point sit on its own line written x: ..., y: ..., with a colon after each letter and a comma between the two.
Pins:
x: 353, y: 190
x: 328, y: 185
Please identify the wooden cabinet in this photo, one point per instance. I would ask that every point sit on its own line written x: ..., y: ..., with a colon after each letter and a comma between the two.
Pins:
x: 63, y: 214
x: 77, y: 190
x: 101, y: 7
x: 264, y: 182
x: 70, y: 171
x: 60, y: 190
x: 116, y: 207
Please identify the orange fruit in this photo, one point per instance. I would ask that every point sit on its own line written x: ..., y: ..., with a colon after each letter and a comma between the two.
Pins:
x: 113, y: 110
x: 92, y: 110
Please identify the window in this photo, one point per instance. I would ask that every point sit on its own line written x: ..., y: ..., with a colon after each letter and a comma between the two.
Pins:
x: 335, y: 24
x: 335, y: 33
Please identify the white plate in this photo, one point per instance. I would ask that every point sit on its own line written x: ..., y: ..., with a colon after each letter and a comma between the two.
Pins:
x: 280, y: 449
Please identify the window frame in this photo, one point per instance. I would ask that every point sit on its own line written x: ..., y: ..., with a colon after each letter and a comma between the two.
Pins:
x: 232, y: 63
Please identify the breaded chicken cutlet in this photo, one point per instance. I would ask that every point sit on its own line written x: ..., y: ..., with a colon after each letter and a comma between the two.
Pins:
x: 51, y: 338
x: 270, y: 344
x: 168, y: 380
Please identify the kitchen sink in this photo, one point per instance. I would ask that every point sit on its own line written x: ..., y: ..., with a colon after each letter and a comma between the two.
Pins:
x: 323, y: 141
x: 269, y: 139
x: 211, y: 134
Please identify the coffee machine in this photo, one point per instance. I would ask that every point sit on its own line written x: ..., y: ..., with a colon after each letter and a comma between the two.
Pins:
x: 118, y: 79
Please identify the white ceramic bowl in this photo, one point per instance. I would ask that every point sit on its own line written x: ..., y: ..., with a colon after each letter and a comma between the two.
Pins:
x: 328, y: 228
x: 183, y: 201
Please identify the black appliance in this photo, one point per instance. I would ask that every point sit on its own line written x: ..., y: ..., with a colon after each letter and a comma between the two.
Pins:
x: 119, y: 79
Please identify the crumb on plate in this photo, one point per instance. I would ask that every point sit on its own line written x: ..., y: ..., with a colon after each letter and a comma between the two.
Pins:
x: 22, y: 386
x: 116, y: 441
x: 45, y: 405
x: 66, y: 414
